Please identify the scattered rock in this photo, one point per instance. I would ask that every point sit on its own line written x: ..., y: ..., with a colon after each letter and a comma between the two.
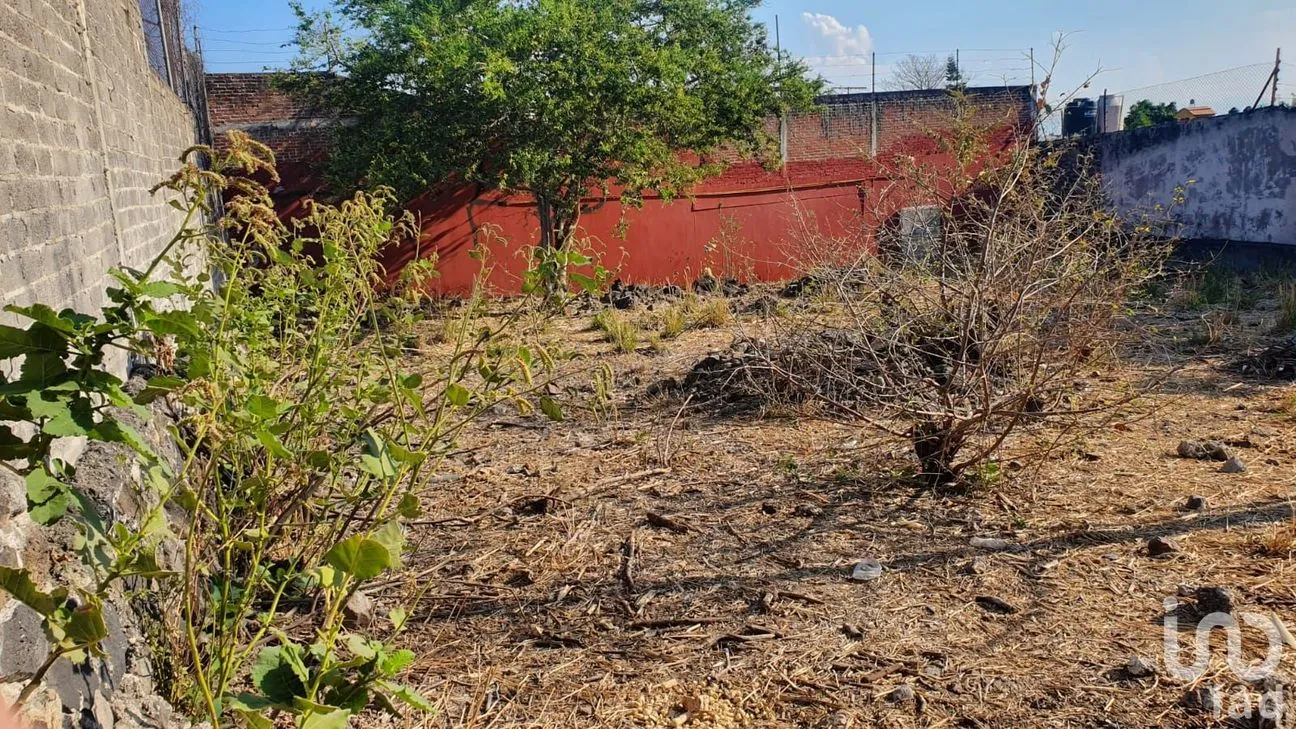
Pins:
x: 1204, y: 450
x: 901, y: 694
x: 808, y: 510
x: 1196, y: 502
x: 978, y: 566
x: 733, y: 288
x: 1139, y: 667
x: 769, y: 508
x: 706, y: 283
x: 1206, y: 699
x: 991, y: 544
x: 995, y: 604
x: 836, y: 720
x: 866, y: 570
x: 1158, y: 546
x: 1264, y: 431
x: 1214, y: 600
x: 672, y: 291
x: 763, y: 306
x: 359, y: 609
x: 667, y: 386
x: 797, y: 288
x: 854, y: 632
x: 1234, y: 465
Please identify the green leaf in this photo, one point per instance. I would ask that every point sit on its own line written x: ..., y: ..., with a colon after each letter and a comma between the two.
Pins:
x: 112, y: 430
x: 360, y: 557
x: 377, y: 459
x: 266, y: 408
x: 458, y: 395
x: 408, y: 696
x: 159, y: 289
x: 158, y: 387
x: 551, y: 409
x: 333, y: 720
x: 86, y: 626
x: 392, y: 538
x: 47, y: 497
x: 275, y: 675
x: 18, y: 582
x: 409, y: 506
x: 397, y: 661
x: 37, y: 339
x: 272, y: 444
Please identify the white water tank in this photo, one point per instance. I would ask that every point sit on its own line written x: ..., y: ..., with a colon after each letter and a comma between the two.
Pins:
x: 1111, y: 117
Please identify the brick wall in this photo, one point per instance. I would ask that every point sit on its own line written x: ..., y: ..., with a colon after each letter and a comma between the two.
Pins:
x: 842, y: 128
x: 296, y: 131
x: 86, y: 128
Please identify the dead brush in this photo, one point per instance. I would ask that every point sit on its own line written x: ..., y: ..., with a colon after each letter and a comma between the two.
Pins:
x: 1286, y: 309
x: 712, y: 314
x: 1024, y: 284
x: 1281, y: 540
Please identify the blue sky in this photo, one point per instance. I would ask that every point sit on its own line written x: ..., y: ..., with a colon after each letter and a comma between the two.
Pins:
x: 1136, y: 43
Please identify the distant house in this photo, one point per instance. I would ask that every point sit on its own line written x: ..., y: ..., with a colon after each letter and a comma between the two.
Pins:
x: 1191, y: 113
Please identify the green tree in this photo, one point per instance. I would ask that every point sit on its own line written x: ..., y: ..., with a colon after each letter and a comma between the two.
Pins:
x: 953, y: 74
x: 1147, y: 114
x: 555, y: 98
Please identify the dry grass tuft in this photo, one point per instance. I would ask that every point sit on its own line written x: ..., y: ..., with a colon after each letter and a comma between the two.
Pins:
x: 617, y: 330
x: 712, y: 314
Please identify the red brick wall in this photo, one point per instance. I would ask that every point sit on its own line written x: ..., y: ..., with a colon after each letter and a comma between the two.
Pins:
x: 750, y: 222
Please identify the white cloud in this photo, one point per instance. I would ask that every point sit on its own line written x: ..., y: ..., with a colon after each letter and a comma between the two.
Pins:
x: 839, y: 41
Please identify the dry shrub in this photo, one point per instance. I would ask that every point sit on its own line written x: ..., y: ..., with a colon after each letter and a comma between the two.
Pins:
x: 955, y: 345
x: 1286, y: 309
x: 712, y: 314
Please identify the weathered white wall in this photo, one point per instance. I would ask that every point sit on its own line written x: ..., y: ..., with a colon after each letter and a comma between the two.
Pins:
x: 1238, y: 171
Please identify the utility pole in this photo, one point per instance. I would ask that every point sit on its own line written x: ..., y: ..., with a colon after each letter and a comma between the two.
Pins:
x: 873, y: 113
x: 1273, y: 95
x: 783, y: 129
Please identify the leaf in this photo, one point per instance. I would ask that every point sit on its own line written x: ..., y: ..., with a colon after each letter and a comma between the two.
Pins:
x: 38, y: 339
x: 393, y: 539
x: 47, y: 497
x: 272, y: 444
x: 254, y: 719
x: 551, y: 409
x: 68, y: 321
x: 86, y: 627
x: 266, y: 408
x: 159, y: 289
x: 409, y: 506
x: 458, y: 395
x: 377, y: 460
x: 111, y: 430
x: 276, y: 677
x: 18, y: 582
x: 333, y: 720
x: 158, y: 387
x: 397, y: 661
x: 408, y: 696
x: 360, y: 557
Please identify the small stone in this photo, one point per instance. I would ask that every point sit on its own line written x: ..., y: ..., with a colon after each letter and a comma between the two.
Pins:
x: 1138, y: 667
x: 990, y: 544
x: 1214, y: 600
x: 1264, y: 431
x: 1206, y: 699
x: 978, y: 566
x: 1234, y: 465
x: 808, y: 510
x: 836, y: 720
x: 866, y: 570
x: 359, y: 609
x: 769, y: 508
x: 1158, y: 546
x: 901, y: 694
x: 1204, y: 450
x: 1196, y: 502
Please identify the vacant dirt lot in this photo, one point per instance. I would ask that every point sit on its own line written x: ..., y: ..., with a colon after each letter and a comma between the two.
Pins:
x: 648, y: 562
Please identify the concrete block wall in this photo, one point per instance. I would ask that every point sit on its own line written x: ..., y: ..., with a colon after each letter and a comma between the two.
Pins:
x: 86, y: 128
x: 1237, y: 171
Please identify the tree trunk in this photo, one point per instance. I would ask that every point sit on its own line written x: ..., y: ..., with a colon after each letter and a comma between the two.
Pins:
x: 557, y: 225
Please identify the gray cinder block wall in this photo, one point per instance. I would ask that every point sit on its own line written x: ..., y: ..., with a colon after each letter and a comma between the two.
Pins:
x: 1238, y: 172
x: 87, y: 127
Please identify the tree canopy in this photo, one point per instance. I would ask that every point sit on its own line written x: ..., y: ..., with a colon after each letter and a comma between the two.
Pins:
x: 915, y: 72
x: 1144, y: 113
x: 554, y: 98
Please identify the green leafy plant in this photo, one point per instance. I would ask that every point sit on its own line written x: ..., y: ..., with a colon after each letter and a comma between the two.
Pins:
x: 569, y: 102
x: 306, y: 438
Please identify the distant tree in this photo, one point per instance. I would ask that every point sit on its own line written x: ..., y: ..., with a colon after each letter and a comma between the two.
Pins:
x: 916, y: 73
x: 953, y: 74
x: 1147, y: 114
x: 554, y: 99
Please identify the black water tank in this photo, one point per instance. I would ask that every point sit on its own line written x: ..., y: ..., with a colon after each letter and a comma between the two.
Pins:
x: 1080, y: 117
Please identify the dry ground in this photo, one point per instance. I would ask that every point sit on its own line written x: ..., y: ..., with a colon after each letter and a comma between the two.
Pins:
x: 663, y: 566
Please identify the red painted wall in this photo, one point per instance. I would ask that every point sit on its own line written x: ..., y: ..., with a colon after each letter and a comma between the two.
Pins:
x: 749, y: 223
